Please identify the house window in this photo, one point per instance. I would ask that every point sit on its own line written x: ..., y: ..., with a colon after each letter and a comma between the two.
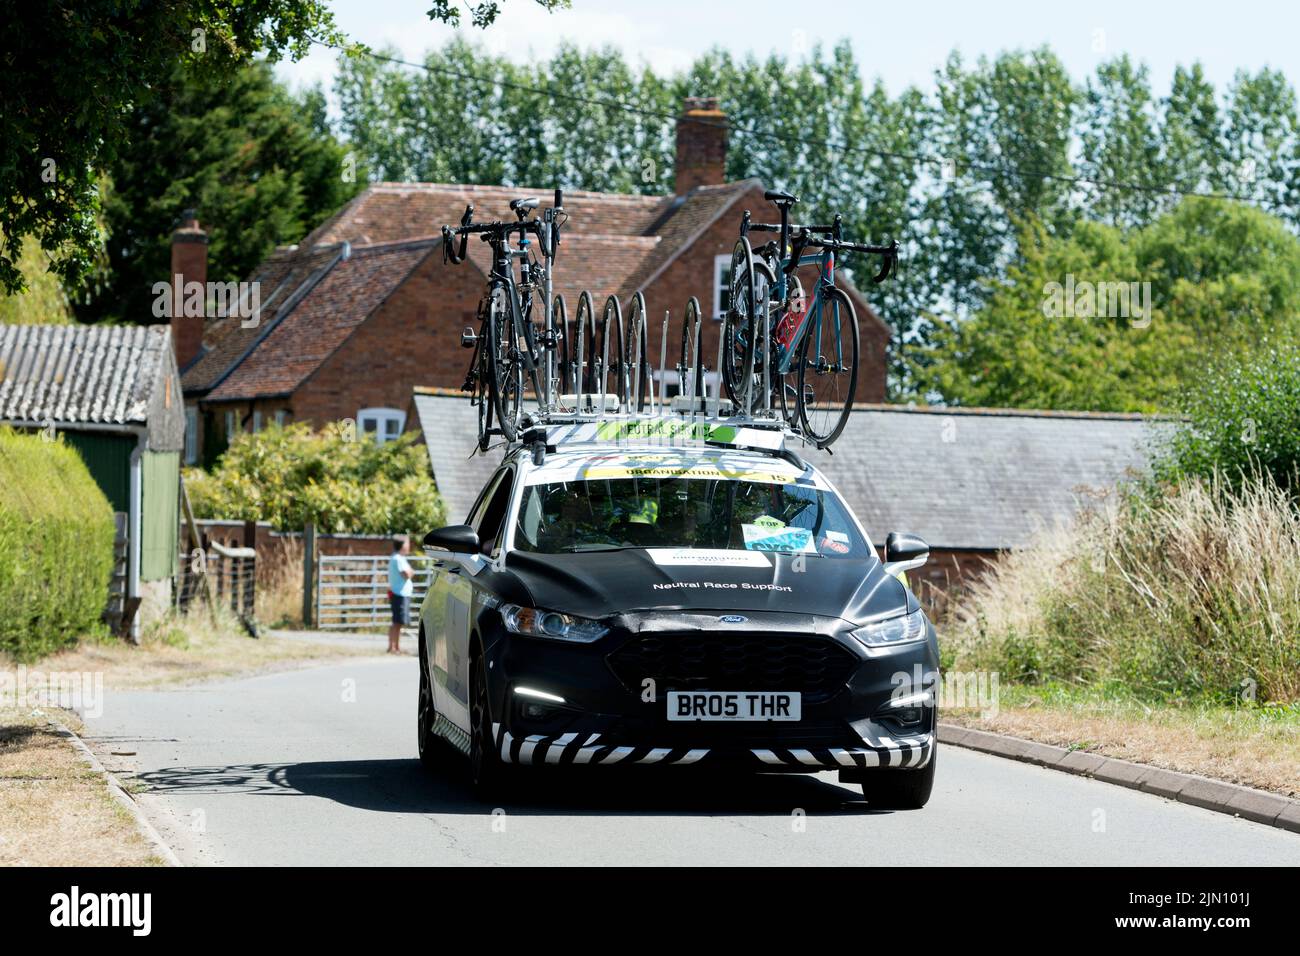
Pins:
x: 257, y: 420
x: 381, y: 424
x: 281, y: 417
x: 721, y: 285
x: 232, y: 425
x: 191, y: 434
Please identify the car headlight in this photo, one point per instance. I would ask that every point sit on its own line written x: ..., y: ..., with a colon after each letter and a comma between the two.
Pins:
x: 896, y: 630
x: 534, y: 622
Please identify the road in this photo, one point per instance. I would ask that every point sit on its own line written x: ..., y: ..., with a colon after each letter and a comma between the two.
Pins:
x: 318, y: 767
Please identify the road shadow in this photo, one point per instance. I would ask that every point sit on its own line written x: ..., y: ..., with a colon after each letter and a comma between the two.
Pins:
x: 403, y: 786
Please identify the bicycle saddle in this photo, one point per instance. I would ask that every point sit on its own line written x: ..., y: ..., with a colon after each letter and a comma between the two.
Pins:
x: 779, y: 197
x: 523, y: 205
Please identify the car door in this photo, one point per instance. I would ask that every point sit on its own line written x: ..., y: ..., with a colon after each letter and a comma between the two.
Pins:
x: 488, y: 520
x: 443, y: 600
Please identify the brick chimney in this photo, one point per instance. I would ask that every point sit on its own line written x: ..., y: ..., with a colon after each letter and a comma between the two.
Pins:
x: 701, y: 144
x: 189, y: 264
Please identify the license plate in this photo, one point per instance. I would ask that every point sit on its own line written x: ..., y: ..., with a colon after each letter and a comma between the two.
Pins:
x: 733, y: 705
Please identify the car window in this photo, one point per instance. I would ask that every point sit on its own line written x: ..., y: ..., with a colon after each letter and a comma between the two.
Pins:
x: 682, y: 511
x: 494, y: 513
x: 475, y: 517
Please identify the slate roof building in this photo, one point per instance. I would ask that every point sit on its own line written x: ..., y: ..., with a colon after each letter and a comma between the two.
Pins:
x: 114, y: 394
x: 972, y: 482
x: 364, y: 308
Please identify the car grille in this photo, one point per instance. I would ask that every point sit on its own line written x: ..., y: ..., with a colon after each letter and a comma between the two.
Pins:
x: 816, y: 667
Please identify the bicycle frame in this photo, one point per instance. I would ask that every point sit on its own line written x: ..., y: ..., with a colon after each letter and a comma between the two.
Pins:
x: 825, y: 261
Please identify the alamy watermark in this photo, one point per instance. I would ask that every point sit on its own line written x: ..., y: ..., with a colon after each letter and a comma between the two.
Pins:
x: 1098, y: 300
x: 31, y: 689
x: 208, y: 300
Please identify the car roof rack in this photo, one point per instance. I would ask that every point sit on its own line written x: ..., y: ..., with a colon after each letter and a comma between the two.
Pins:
x: 557, y: 430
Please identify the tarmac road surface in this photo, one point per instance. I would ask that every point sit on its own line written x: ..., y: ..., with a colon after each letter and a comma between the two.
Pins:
x: 318, y: 767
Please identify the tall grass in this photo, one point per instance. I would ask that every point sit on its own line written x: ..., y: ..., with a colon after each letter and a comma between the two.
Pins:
x: 279, y: 589
x: 1189, y: 592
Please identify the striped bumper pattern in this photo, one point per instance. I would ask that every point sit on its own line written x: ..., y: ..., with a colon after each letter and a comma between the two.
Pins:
x: 577, y: 748
x: 574, y: 749
x: 883, y: 752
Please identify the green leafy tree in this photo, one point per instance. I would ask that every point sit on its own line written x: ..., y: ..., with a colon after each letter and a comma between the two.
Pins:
x: 43, y: 302
x: 1223, y: 277
x: 483, y: 13
x: 340, y: 482
x: 257, y: 162
x: 1121, y: 145
x: 74, y: 73
x: 1243, y: 418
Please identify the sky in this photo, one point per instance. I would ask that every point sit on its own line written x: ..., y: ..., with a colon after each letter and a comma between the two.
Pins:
x: 900, y: 42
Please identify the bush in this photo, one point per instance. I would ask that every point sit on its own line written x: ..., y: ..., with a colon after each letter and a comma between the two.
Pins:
x: 1191, y: 594
x: 56, y: 546
x: 341, y: 482
x: 1243, y: 418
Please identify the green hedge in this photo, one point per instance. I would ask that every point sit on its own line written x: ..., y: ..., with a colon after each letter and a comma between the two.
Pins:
x: 56, y: 546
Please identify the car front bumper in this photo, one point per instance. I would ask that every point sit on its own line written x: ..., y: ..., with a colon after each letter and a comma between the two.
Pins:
x: 595, y: 713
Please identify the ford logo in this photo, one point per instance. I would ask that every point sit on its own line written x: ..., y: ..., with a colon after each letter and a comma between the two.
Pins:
x: 732, y: 619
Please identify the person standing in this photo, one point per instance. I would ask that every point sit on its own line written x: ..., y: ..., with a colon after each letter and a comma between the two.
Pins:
x: 401, y: 585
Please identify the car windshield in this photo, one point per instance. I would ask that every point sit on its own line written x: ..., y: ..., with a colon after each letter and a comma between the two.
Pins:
x: 684, y: 511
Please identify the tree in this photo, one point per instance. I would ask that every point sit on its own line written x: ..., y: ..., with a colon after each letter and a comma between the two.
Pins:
x: 1222, y: 277
x: 73, y: 75
x: 341, y: 482
x: 257, y: 163
x: 485, y: 12
x: 44, y: 301
x: 1243, y: 418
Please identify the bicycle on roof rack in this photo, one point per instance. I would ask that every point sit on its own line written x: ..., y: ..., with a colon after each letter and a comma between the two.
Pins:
x: 781, y: 346
x: 509, y: 344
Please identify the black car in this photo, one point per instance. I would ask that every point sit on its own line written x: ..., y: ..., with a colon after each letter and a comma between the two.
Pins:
x: 609, y: 604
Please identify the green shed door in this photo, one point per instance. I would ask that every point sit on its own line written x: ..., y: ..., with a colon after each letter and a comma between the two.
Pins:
x: 108, y: 458
x: 160, y: 523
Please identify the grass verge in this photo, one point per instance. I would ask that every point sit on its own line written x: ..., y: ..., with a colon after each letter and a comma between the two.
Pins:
x: 177, y: 650
x: 1252, y: 745
x: 55, y: 810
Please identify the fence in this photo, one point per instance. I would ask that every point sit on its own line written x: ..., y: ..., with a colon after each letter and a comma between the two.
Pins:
x: 352, y: 591
x: 230, y: 572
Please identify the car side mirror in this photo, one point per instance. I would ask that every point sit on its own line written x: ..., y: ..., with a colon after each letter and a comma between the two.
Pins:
x: 904, y: 551
x: 456, y: 538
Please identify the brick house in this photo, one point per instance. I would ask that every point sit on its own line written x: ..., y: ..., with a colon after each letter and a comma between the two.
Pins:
x: 364, y: 309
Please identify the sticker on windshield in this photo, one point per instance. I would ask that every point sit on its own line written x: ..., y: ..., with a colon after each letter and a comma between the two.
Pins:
x: 705, y: 557
x: 763, y: 538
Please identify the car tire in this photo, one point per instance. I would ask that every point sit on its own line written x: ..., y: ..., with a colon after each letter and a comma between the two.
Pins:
x: 488, y: 773
x: 901, y: 789
x: 432, y: 748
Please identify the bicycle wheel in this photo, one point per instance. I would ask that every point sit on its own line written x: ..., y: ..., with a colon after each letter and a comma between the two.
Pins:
x: 828, y: 367
x: 528, y: 355
x: 613, y: 317
x: 483, y: 399
x: 638, y: 366
x: 507, y: 373
x: 561, y: 366
x: 584, y: 325
x: 687, y: 363
x: 690, y: 371
x: 739, y: 330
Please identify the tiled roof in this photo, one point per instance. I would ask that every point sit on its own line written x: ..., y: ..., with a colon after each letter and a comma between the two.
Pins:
x: 297, y: 343
x: 285, y: 276
x: 979, y: 478
x: 613, y: 244
x: 106, y: 374
x: 384, y: 212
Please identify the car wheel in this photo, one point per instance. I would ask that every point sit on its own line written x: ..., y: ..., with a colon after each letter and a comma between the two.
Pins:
x: 487, y: 771
x: 431, y: 747
x: 901, y: 789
